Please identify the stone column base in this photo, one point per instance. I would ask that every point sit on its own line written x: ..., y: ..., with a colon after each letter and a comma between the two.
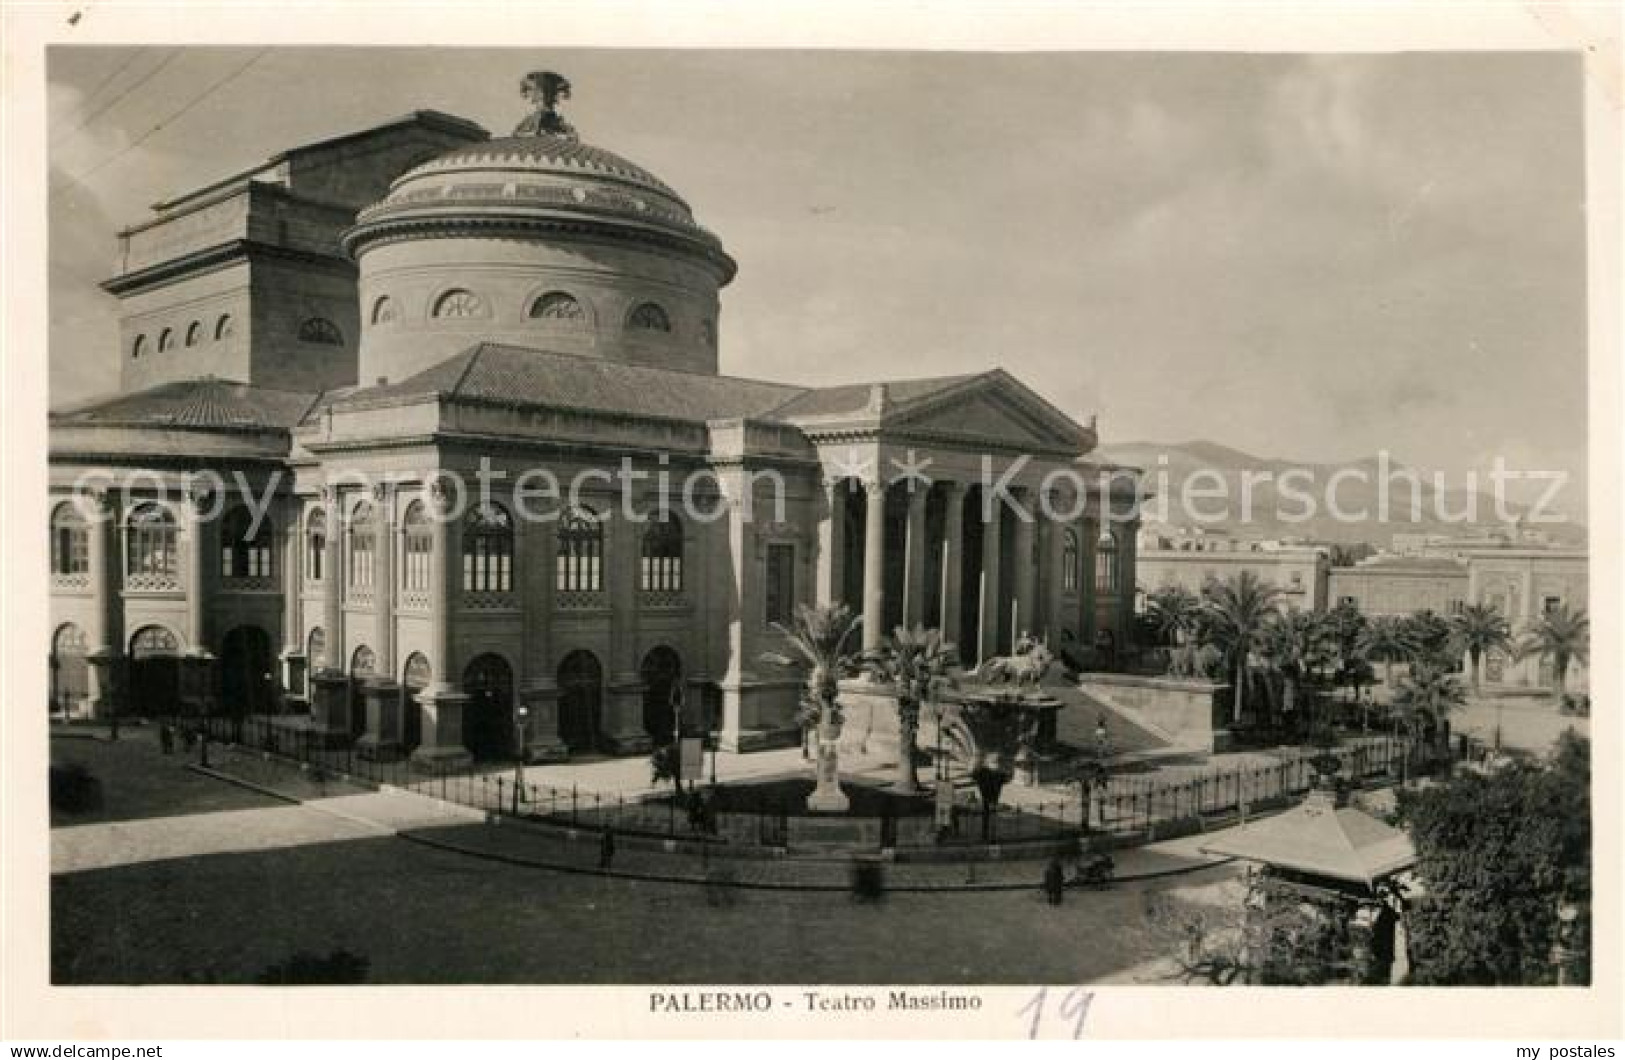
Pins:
x: 542, y: 743
x: 382, y: 740
x: 442, y: 748
x: 330, y: 708
x: 624, y: 733
x: 441, y: 759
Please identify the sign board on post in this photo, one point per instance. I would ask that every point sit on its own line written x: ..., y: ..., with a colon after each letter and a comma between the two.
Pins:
x: 693, y: 758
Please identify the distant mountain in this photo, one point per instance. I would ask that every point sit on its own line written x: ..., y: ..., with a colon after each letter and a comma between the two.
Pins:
x: 1169, y: 465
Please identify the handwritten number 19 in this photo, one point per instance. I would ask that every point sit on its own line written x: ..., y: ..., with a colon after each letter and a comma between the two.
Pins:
x: 1074, y: 1007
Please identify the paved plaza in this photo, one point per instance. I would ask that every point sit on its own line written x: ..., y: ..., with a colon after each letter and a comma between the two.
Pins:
x: 183, y: 877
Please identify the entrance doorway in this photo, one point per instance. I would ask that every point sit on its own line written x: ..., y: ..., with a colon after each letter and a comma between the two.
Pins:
x: 581, y: 697
x: 662, y: 672
x: 415, y: 677
x: 155, y: 672
x: 70, y: 672
x: 488, y: 722
x: 247, y: 680
x: 363, y: 667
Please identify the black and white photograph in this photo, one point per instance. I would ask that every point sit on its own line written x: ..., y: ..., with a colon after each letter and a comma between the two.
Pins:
x: 778, y: 534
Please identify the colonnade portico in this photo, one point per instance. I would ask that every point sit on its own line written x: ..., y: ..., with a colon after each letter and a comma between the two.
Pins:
x: 981, y: 570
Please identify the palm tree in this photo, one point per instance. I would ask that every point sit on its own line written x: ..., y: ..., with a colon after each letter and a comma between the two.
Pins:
x: 918, y: 664
x: 1561, y: 635
x: 1174, y: 612
x: 1236, y: 611
x: 1433, y: 638
x: 1481, y: 630
x: 818, y: 639
x: 1387, y: 639
x: 1345, y: 625
x: 1294, y: 644
x: 1426, y: 696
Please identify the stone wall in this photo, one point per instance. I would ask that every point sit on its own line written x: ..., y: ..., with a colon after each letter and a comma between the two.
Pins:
x: 1192, y: 713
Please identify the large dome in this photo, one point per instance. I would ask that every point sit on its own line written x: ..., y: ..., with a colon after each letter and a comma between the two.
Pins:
x: 540, y: 240
x: 538, y: 182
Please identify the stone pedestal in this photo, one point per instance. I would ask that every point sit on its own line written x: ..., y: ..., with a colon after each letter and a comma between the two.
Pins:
x: 542, y: 743
x: 106, y: 688
x: 624, y: 732
x: 197, y: 682
x: 442, y: 747
x: 330, y: 708
x: 828, y: 797
x: 382, y: 740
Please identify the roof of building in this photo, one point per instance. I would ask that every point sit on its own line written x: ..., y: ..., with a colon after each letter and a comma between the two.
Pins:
x: 206, y: 403
x: 1324, y: 839
x: 557, y: 154
x: 519, y: 375
x: 1408, y: 564
x: 524, y: 376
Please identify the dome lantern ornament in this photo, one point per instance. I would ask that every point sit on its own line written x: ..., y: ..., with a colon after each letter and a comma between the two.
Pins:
x: 544, y: 89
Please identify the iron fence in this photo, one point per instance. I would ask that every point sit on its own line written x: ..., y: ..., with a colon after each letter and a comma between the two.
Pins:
x: 1124, y: 806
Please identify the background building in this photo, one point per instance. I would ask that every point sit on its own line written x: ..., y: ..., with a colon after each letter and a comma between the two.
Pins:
x: 1299, y: 573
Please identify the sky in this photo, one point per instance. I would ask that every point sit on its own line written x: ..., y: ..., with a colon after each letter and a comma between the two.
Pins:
x: 1305, y: 257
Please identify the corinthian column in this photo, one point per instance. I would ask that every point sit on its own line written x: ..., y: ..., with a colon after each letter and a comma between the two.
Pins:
x: 953, y: 553
x: 992, y: 591
x: 105, y: 636
x: 874, y: 565
x: 831, y: 543
x: 915, y: 547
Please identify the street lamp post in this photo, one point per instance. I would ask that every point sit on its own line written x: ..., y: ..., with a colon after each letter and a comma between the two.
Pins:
x: 519, y: 715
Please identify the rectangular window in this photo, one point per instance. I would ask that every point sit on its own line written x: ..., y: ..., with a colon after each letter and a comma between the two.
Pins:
x: 361, y: 558
x: 1551, y: 604
x: 781, y: 582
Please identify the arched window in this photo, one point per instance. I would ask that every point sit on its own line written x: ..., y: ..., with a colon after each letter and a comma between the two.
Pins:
x: 581, y: 552
x: 458, y: 303
x: 1106, y: 563
x: 149, y: 547
x: 417, y: 674
x: 321, y: 331
x: 417, y: 547
x: 194, y: 333
x: 223, y: 327
x: 662, y: 569
x: 708, y: 333
x: 245, y: 545
x: 363, y: 536
x: 166, y: 339
x: 1069, y: 561
x: 316, y: 546
x: 648, y: 317
x: 150, y: 641
x: 488, y: 550
x: 316, y: 650
x: 138, y: 347
x: 383, y: 310
x: 556, y: 305
x: 70, y: 542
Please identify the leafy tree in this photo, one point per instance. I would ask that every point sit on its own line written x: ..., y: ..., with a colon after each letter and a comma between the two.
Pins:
x: 918, y: 665
x: 1502, y: 855
x: 818, y: 639
x: 1387, y: 639
x: 1433, y: 638
x: 1481, y: 629
x: 1294, y: 645
x: 1426, y: 696
x: 1561, y: 635
x: 1235, y: 615
x: 1173, y: 613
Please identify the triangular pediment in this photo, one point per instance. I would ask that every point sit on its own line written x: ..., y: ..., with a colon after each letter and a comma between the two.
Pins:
x: 991, y: 409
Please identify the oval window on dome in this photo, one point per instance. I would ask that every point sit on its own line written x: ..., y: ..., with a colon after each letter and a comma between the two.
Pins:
x: 321, y: 331
x: 166, y: 339
x: 383, y: 310
x: 140, y: 346
x: 708, y: 333
x: 194, y: 333
x: 649, y: 317
x: 558, y: 306
x: 223, y: 328
x: 458, y: 303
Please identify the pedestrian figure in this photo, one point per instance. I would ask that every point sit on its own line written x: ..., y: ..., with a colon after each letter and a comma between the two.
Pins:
x: 1054, y: 881
x: 166, y: 738
x: 203, y: 749
x: 606, y: 849
x: 188, y: 739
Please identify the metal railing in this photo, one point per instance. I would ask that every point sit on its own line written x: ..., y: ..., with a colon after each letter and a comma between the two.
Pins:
x: 1125, y: 806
